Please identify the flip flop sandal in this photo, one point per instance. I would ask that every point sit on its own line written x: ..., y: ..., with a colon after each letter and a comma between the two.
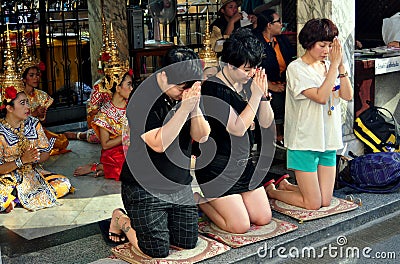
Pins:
x: 105, y: 227
x: 358, y: 201
x: 269, y: 182
x: 121, y: 238
x: 352, y: 199
x: 286, y: 176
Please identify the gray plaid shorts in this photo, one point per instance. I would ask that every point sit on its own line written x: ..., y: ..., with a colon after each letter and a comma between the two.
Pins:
x: 160, y: 222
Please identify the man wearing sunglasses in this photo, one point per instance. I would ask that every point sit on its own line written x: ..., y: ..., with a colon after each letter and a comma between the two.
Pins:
x: 278, y: 54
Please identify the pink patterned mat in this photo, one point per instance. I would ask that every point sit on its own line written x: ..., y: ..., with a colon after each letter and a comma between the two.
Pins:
x: 337, y: 206
x: 206, y: 248
x: 255, y: 234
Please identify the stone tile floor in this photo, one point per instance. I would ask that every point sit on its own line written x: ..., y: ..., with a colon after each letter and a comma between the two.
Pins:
x: 94, y: 198
x: 69, y: 233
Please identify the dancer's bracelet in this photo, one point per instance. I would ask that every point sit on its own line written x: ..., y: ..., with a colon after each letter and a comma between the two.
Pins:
x: 19, y: 163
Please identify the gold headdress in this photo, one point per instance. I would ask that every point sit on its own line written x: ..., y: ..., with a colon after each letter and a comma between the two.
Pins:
x: 207, y: 54
x: 9, y: 78
x: 104, y: 55
x: 106, y: 43
x: 114, y: 69
x: 27, y: 61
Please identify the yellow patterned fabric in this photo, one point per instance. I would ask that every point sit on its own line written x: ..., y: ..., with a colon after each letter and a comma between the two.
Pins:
x: 33, y: 192
x: 60, y: 183
x: 41, y: 98
x: 111, y: 118
x: 60, y: 144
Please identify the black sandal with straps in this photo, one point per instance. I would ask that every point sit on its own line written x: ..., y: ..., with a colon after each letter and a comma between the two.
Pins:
x: 105, y: 231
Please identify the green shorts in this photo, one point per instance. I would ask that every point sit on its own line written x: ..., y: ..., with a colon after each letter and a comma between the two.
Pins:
x: 308, y: 160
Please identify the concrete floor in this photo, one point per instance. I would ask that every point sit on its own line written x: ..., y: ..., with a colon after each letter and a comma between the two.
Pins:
x: 94, y: 198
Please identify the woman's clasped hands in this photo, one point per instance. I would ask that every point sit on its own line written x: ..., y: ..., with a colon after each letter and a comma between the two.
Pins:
x: 260, y: 83
x: 335, y: 55
x: 191, y: 97
x: 31, y: 155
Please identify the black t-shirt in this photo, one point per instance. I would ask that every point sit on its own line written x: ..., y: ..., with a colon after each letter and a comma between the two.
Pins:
x: 217, y: 106
x: 217, y: 169
x: 165, y: 172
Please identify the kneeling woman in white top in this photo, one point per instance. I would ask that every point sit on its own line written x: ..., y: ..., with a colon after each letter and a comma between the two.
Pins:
x: 313, y: 130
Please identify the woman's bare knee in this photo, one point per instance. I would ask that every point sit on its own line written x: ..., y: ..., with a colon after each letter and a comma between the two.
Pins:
x: 264, y: 219
x: 313, y: 204
x: 326, y: 202
x: 238, y: 228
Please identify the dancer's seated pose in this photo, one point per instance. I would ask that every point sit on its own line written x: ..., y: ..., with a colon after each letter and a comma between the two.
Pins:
x: 23, y: 146
x: 110, y: 122
x: 40, y: 101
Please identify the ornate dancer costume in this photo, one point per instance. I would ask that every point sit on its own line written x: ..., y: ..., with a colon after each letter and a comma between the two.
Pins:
x: 98, y: 98
x: 40, y: 98
x: 110, y: 117
x: 114, y: 120
x: 25, y: 184
x: 32, y: 190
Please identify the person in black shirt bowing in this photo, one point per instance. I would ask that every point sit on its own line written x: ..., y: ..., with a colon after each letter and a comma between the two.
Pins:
x: 164, y: 116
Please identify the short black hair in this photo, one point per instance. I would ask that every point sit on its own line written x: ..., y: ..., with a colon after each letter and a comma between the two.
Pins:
x: 265, y: 17
x: 317, y: 29
x: 242, y: 48
x: 189, y: 68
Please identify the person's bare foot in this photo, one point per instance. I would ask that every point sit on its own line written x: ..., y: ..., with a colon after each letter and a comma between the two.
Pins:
x: 269, y: 187
x: 10, y: 207
x: 99, y: 173
x: 83, y: 170
x: 283, y: 185
x: 81, y: 135
x: 71, y: 135
x: 96, y: 168
x: 76, y: 135
x: 115, y: 233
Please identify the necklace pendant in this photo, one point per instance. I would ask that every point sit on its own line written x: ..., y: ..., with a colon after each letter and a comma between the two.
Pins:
x: 329, y: 112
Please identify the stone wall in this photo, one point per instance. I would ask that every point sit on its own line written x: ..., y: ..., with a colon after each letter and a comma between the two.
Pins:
x: 115, y: 12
